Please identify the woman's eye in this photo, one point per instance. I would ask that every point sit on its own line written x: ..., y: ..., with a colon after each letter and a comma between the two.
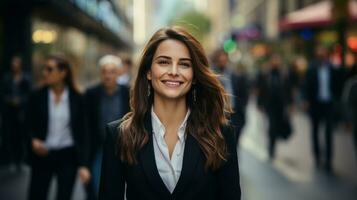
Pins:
x: 163, y: 62
x: 185, y: 64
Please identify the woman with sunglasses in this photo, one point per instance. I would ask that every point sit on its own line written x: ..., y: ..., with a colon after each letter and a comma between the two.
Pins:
x: 56, y: 128
x: 175, y: 143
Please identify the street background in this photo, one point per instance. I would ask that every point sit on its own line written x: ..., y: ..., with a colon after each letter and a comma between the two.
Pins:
x: 256, y: 36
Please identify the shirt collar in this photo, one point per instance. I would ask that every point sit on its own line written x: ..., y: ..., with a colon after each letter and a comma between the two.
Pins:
x: 159, y: 128
x: 116, y: 91
x: 64, y: 96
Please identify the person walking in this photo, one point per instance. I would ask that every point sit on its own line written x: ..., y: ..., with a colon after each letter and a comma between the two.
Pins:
x: 57, y: 132
x: 320, y: 90
x: 105, y: 102
x: 274, y: 99
x: 236, y: 85
x: 15, y: 89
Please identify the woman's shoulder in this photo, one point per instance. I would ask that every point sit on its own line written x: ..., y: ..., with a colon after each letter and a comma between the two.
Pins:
x: 113, y: 128
x: 38, y: 92
x: 228, y: 132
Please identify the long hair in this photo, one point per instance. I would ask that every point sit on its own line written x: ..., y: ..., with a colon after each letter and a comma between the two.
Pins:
x: 208, y: 112
x: 63, y: 65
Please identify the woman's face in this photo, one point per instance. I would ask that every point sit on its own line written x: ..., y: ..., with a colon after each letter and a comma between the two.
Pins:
x: 52, y: 74
x: 171, y: 71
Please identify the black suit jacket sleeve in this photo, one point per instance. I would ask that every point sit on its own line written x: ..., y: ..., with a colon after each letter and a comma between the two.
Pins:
x: 112, y: 182
x: 228, y: 174
x: 32, y: 116
x: 308, y: 93
x: 82, y: 132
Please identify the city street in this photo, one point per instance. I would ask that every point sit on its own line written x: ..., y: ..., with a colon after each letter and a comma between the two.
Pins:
x: 291, y: 176
x: 68, y: 68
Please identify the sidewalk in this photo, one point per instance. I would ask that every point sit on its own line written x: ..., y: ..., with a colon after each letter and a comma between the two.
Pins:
x: 292, y: 174
x: 14, y: 186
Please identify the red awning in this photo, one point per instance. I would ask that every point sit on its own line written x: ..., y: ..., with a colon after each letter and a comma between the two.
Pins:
x: 316, y: 15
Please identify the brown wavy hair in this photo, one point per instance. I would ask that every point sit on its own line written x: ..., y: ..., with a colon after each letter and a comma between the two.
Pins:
x: 208, y: 112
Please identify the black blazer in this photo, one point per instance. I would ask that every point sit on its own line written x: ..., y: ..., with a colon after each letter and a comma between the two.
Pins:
x: 240, y: 97
x: 273, y: 98
x: 143, y: 179
x: 37, y: 121
x: 311, y: 83
x: 93, y: 102
x: 311, y: 87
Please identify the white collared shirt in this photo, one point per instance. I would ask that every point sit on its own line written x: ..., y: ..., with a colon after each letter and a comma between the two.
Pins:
x: 324, y: 92
x: 59, y: 131
x: 169, y: 169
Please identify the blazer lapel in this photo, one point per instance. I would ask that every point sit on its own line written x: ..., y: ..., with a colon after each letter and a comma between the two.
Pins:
x: 45, y: 111
x: 191, y: 156
x: 72, y: 108
x: 147, y: 157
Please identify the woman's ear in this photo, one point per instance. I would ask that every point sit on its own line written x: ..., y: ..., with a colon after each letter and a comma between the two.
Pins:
x: 64, y: 73
x: 148, y: 75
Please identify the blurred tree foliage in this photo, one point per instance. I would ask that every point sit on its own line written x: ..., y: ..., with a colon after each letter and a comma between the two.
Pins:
x: 195, y: 22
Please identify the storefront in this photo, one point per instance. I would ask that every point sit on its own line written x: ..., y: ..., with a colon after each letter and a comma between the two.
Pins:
x: 83, y: 30
x: 314, y: 25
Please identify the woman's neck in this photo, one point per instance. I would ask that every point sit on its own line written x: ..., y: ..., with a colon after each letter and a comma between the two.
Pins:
x: 170, y: 112
x: 58, y: 88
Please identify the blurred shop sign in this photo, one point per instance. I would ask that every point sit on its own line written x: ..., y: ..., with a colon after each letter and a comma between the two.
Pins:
x: 315, y: 15
x: 44, y: 36
x: 249, y: 32
x: 352, y: 43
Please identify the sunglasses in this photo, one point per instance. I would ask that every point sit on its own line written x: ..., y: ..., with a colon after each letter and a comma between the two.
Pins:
x: 48, y: 69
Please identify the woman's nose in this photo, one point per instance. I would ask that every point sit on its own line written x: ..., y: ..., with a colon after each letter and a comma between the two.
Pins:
x: 173, y: 69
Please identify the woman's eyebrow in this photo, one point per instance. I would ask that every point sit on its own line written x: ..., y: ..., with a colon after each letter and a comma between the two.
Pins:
x: 169, y: 58
x: 185, y: 59
x: 165, y: 57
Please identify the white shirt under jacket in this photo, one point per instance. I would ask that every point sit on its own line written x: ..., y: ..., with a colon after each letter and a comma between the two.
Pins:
x: 169, y: 169
x: 59, y: 130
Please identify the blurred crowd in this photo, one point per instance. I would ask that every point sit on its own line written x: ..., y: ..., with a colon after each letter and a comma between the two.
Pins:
x: 59, y: 131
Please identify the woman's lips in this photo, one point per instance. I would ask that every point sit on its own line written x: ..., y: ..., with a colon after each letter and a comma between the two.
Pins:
x: 170, y: 83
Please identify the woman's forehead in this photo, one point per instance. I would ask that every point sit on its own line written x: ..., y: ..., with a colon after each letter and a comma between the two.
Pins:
x: 173, y: 49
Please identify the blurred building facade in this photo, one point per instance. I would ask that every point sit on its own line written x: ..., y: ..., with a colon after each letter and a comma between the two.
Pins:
x: 295, y: 27
x: 84, y: 30
x: 208, y: 20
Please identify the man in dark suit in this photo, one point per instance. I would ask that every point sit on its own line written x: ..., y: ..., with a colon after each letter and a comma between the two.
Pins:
x: 320, y: 93
x: 236, y: 85
x: 105, y: 102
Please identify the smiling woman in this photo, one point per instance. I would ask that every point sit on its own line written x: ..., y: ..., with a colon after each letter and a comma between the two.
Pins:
x: 171, y: 73
x: 176, y: 142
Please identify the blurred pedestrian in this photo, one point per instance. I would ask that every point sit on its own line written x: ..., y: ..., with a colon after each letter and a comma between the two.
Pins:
x: 320, y: 94
x: 57, y: 131
x: 236, y: 85
x: 105, y: 102
x: 15, y: 88
x: 124, y: 74
x: 296, y: 74
x: 176, y: 132
x: 275, y: 98
x: 349, y: 99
